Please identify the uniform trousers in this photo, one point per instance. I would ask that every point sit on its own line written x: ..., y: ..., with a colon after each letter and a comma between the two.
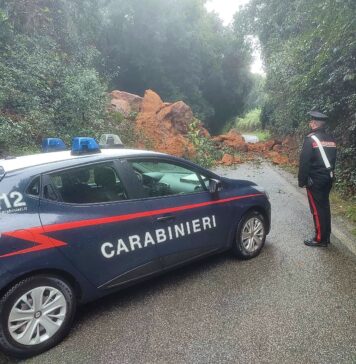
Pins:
x: 318, y: 196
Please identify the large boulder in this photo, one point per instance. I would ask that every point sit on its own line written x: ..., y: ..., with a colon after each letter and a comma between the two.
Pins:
x: 164, y: 127
x: 232, y: 139
x: 125, y: 103
x: 229, y: 160
x: 179, y: 114
x: 277, y: 158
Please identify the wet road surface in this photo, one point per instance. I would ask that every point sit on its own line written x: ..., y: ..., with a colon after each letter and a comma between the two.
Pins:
x: 292, y: 304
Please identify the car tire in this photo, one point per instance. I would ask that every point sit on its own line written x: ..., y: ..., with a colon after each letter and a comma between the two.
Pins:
x: 35, y: 315
x: 250, y: 236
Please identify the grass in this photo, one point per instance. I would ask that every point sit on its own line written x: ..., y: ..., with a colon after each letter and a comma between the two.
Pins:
x: 251, y: 124
x: 344, y: 208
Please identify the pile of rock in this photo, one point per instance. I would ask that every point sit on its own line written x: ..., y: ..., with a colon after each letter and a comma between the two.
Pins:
x: 159, y: 125
x: 279, y: 152
x: 164, y: 127
x: 125, y: 103
x: 233, y: 139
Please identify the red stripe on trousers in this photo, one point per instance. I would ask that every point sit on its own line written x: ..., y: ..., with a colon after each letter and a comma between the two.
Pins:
x: 317, y: 221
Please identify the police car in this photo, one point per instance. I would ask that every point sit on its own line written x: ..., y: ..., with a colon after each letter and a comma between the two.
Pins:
x: 77, y: 225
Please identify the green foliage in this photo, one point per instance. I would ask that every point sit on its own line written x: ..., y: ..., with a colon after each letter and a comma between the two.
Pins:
x: 250, y: 122
x: 257, y: 96
x: 116, y: 116
x: 309, y: 51
x: 345, y: 207
x: 206, y: 152
x: 116, y: 123
x: 72, y: 25
x: 44, y: 91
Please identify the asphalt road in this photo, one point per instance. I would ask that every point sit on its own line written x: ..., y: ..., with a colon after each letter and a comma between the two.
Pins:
x: 292, y: 304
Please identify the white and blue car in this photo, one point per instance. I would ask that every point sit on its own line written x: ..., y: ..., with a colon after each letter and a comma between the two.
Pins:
x: 78, y: 224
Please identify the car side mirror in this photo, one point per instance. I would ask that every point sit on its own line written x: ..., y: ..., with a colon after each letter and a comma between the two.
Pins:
x: 215, y: 185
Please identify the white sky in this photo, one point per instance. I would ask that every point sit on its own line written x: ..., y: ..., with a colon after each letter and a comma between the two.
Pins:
x: 226, y: 10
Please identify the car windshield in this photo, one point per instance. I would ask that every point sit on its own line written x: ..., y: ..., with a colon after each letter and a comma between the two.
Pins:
x: 151, y: 166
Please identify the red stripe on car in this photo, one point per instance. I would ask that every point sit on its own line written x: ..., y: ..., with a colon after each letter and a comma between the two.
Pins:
x: 38, y: 235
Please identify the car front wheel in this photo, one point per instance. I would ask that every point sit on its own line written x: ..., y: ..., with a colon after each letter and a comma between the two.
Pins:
x: 250, y: 236
x: 36, y: 314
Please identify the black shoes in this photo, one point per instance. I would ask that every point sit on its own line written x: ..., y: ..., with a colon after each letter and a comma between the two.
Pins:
x: 312, y: 242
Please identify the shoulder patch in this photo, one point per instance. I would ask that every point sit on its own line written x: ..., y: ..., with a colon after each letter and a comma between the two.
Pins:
x: 325, y: 144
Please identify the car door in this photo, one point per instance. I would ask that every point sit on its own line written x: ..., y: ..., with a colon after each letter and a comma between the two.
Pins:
x: 188, y: 220
x: 88, y: 209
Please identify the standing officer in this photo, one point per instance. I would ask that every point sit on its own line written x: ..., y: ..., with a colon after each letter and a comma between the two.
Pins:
x: 316, y: 172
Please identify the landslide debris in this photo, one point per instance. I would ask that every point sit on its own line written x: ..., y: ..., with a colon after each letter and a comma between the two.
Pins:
x: 165, y: 127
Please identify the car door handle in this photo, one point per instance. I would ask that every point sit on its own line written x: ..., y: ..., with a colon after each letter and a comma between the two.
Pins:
x: 165, y: 218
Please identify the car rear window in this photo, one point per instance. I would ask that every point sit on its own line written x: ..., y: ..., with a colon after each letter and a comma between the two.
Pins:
x: 89, y: 184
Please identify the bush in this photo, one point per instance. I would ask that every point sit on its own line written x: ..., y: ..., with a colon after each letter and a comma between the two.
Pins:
x: 250, y: 122
x: 43, y: 94
x: 206, y: 152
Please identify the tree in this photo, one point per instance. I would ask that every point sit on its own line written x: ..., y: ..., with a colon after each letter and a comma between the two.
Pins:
x: 181, y: 51
x: 309, y: 50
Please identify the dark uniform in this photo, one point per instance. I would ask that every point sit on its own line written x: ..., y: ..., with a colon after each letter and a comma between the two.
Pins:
x: 317, y: 179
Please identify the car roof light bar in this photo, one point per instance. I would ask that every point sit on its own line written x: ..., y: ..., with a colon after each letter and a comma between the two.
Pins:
x: 110, y: 141
x: 84, y: 145
x: 52, y: 145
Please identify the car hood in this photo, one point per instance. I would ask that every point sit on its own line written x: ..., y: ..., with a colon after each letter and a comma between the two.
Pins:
x: 238, y: 182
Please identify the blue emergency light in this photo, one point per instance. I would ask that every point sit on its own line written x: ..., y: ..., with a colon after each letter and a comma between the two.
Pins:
x: 84, y: 145
x: 52, y: 145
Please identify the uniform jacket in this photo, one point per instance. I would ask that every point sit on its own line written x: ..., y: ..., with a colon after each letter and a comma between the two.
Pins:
x: 312, y: 169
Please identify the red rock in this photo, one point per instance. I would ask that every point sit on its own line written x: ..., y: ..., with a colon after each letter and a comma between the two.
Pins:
x: 151, y: 103
x: 179, y: 114
x: 257, y: 147
x: 164, y: 126
x: 232, y: 139
x: 290, y: 142
x: 124, y: 102
x: 278, y: 158
x: 279, y: 148
x: 227, y: 160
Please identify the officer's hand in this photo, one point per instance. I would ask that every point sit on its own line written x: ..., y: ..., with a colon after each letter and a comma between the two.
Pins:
x: 310, y: 182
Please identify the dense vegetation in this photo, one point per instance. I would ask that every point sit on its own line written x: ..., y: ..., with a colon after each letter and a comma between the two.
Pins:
x: 48, y: 81
x: 58, y: 60
x: 309, y: 51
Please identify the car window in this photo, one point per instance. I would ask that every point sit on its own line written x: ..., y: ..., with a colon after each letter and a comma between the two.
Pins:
x: 89, y: 184
x: 164, y: 178
x: 34, y: 187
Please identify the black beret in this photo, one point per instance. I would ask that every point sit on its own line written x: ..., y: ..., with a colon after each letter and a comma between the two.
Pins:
x: 316, y: 115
